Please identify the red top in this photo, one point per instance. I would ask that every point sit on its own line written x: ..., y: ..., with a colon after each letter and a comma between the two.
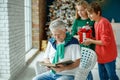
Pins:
x: 108, y: 51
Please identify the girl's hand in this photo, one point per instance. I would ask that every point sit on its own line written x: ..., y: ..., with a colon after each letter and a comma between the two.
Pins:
x: 87, y: 41
x: 77, y: 37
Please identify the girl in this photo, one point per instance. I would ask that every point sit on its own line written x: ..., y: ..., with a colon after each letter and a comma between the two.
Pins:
x: 80, y: 21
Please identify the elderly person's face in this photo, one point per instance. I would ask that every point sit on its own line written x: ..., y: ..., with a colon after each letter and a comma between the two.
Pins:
x: 59, y: 35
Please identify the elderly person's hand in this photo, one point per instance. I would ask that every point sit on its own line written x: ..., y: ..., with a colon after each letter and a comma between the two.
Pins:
x: 59, y: 68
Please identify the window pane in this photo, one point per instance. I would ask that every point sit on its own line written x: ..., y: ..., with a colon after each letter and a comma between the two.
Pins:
x: 28, y: 26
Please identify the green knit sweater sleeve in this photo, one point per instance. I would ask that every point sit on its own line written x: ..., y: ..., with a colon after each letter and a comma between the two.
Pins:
x: 74, y: 28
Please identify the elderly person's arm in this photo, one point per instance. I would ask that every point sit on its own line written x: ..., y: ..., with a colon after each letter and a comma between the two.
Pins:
x: 46, y: 60
x: 68, y: 67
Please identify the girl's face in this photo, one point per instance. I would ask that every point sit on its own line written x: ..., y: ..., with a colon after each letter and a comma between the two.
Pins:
x: 81, y: 11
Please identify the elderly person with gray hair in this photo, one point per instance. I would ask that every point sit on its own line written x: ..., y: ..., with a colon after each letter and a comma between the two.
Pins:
x: 61, y: 47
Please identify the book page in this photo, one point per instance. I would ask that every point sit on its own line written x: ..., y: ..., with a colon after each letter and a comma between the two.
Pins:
x: 47, y: 64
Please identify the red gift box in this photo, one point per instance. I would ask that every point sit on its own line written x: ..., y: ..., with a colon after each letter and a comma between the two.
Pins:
x: 84, y: 33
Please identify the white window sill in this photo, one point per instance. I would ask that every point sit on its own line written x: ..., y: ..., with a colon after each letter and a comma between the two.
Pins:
x: 31, y: 54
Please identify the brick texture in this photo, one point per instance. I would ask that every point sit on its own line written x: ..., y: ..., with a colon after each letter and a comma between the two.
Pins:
x: 38, y: 22
x: 35, y: 24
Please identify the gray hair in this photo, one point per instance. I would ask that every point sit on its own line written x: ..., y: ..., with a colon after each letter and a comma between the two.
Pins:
x: 57, y: 24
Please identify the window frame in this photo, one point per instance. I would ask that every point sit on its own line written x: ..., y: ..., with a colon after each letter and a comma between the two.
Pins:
x: 28, y: 25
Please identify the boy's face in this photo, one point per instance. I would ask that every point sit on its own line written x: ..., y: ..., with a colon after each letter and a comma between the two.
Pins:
x: 93, y: 16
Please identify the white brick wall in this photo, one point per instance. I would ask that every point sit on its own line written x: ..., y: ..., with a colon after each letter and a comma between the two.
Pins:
x: 4, y: 42
x: 12, y: 39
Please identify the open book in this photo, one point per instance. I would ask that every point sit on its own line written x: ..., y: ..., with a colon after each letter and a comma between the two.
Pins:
x: 68, y: 62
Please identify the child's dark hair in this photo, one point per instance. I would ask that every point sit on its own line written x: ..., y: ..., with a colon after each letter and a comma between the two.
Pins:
x: 94, y: 7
